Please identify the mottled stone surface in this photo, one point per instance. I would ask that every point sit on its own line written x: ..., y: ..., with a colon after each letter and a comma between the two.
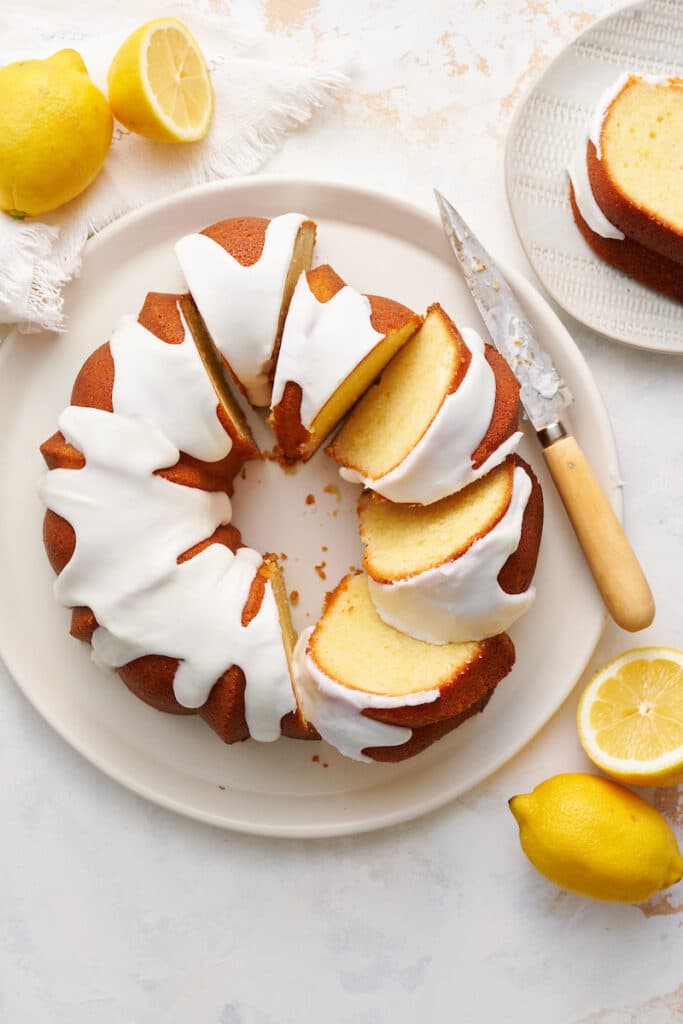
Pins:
x: 115, y: 911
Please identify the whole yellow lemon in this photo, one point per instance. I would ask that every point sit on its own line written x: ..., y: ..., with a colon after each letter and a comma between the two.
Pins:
x: 597, y: 838
x: 55, y: 131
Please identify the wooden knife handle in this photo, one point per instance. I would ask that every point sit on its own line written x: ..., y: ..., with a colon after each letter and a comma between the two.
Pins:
x: 611, y: 558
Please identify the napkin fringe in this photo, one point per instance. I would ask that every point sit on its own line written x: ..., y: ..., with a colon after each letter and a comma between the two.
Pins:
x: 30, y: 279
x: 264, y: 138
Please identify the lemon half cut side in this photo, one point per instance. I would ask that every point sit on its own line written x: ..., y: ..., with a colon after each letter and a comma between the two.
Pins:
x: 159, y: 83
x: 630, y: 717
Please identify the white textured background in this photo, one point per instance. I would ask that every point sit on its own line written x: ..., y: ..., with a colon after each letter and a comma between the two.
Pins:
x: 113, y: 911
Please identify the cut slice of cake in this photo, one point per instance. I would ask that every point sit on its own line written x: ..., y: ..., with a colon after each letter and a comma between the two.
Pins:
x: 241, y: 273
x: 606, y: 203
x: 460, y: 568
x: 364, y: 685
x: 634, y: 160
x: 335, y: 343
x: 443, y: 414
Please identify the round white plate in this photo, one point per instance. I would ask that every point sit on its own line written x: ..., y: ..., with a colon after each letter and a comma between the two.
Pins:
x: 548, y: 127
x: 288, y: 788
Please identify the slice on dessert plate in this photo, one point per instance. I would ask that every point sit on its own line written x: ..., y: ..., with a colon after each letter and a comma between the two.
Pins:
x: 592, y: 167
x: 625, y: 189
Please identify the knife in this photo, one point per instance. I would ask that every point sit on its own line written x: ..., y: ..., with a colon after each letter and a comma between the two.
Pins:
x: 544, y: 396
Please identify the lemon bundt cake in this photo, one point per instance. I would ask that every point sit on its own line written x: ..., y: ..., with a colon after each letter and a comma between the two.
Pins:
x: 625, y: 181
x: 334, y: 344
x: 241, y: 273
x: 137, y: 528
x: 363, y: 684
x: 443, y: 414
x: 460, y: 568
x: 140, y: 473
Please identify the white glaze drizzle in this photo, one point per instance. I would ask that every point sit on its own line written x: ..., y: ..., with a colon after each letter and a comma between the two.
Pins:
x: 132, y: 524
x: 241, y: 305
x: 150, y: 374
x: 441, y: 462
x: 586, y: 201
x: 322, y: 343
x: 462, y: 599
x: 336, y: 710
x: 578, y: 169
x: 605, y: 100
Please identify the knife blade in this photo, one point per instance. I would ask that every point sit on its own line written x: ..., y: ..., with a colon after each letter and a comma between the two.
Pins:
x: 544, y: 396
x: 543, y: 393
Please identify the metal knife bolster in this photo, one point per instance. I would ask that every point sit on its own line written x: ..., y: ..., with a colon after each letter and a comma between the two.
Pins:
x: 543, y: 393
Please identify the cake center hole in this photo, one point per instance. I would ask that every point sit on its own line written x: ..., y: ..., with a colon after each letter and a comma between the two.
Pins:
x: 307, y: 516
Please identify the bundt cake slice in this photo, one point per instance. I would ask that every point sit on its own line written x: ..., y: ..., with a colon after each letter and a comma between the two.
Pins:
x: 334, y: 344
x: 443, y: 414
x: 365, y: 685
x: 460, y: 568
x: 241, y: 273
x: 635, y: 155
x: 623, y: 187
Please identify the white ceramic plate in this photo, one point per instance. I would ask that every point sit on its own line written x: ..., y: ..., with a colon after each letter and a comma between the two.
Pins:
x: 548, y: 127
x: 287, y: 788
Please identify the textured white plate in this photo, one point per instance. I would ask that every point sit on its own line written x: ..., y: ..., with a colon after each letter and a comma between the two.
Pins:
x: 288, y: 788
x: 547, y: 129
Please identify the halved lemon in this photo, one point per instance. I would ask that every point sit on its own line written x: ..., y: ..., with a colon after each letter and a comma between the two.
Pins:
x: 630, y: 717
x: 159, y: 84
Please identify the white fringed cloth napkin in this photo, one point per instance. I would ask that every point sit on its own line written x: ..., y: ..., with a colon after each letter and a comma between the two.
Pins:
x: 259, y: 98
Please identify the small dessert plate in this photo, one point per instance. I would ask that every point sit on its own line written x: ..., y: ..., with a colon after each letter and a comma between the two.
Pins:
x: 549, y: 127
x: 288, y: 788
